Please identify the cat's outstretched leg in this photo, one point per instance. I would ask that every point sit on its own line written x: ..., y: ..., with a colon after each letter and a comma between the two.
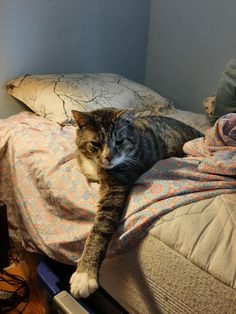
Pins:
x: 84, y: 281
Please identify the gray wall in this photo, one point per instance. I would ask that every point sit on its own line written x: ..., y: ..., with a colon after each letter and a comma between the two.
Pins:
x: 71, y: 36
x: 190, y: 43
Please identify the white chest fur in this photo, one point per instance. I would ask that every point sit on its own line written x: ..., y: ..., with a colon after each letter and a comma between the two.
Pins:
x: 89, y: 169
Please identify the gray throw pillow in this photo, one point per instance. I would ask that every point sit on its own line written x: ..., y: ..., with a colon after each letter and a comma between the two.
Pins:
x: 225, y: 100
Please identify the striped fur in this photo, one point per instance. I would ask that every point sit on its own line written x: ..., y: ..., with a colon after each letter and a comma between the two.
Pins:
x: 114, y: 148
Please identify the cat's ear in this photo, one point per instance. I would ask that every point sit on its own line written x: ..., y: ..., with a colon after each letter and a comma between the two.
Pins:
x: 81, y: 118
x: 125, y: 114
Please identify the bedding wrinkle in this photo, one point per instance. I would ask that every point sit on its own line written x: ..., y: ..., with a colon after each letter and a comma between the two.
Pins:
x: 176, y: 216
x: 62, y: 162
x: 230, y: 207
x: 199, y: 237
x: 224, y: 248
x: 218, y: 148
x: 215, y: 260
x: 218, y: 233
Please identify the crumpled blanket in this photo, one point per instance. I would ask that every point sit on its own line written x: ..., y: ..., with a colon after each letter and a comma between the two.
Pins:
x: 217, y: 151
x: 51, y: 206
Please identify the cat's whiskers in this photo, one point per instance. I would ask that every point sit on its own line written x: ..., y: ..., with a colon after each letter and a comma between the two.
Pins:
x: 133, y: 161
x: 118, y: 131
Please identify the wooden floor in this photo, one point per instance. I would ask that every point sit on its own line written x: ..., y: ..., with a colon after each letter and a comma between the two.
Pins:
x: 35, y: 304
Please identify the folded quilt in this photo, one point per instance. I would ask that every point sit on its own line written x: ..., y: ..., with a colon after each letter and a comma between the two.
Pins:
x: 51, y: 206
x: 217, y: 151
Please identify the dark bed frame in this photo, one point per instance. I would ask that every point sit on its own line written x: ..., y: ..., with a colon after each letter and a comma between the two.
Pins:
x: 4, y: 238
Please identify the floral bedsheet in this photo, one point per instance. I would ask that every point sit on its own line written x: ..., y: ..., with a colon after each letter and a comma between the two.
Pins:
x: 51, y: 206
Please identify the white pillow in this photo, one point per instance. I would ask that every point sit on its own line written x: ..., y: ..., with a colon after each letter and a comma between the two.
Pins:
x: 53, y: 96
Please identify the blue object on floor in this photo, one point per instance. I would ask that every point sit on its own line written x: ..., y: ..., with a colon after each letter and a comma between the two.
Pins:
x: 52, y: 282
x: 48, y: 279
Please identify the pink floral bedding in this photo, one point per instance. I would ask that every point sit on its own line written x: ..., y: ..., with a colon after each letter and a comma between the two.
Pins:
x: 51, y: 206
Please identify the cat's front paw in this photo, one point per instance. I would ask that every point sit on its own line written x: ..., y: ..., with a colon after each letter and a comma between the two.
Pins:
x: 81, y: 286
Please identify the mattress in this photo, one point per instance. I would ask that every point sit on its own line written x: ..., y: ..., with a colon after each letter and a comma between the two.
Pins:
x: 186, y: 263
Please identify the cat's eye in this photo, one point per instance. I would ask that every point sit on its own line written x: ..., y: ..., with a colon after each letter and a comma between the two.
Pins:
x: 95, y: 144
x: 119, y: 141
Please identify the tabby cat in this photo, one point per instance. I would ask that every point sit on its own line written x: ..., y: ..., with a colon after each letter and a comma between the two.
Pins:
x: 114, y: 148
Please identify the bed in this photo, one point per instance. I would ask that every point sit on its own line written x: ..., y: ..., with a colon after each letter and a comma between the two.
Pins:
x: 174, y: 250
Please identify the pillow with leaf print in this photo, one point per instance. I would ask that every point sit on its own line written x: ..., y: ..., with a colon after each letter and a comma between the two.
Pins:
x: 53, y: 96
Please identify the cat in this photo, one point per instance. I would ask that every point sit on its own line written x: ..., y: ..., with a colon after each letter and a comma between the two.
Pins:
x: 115, y: 147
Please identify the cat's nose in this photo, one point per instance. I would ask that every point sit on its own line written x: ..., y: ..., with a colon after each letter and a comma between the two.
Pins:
x: 107, y: 161
x: 109, y: 158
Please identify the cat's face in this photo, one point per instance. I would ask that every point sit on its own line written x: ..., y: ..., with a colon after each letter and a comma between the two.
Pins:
x: 106, y: 136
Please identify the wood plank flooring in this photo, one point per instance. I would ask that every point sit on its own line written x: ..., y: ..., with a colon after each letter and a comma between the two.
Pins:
x: 35, y: 304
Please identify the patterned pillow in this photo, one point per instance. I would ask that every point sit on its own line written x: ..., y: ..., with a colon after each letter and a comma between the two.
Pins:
x: 53, y: 96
